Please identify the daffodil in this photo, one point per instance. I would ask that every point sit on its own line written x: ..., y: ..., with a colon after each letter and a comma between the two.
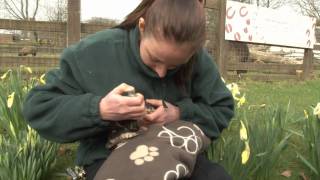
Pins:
x: 42, y: 81
x: 243, y: 132
x: 245, y: 155
x: 241, y: 101
x: 316, y: 110
x: 234, y: 88
x: 28, y: 69
x: 10, y: 100
x: 306, y: 115
x: 4, y: 76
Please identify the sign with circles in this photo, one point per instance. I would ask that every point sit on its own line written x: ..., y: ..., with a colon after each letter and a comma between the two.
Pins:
x: 249, y: 23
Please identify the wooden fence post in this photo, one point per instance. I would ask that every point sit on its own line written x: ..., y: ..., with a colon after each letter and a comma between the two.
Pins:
x: 221, y: 58
x: 307, y: 63
x: 73, y: 24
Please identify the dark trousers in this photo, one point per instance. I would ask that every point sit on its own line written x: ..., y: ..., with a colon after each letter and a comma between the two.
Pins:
x: 203, y: 170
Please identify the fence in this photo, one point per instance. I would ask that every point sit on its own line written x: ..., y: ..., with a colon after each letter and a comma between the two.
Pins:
x: 19, y: 39
x: 236, y: 60
x: 48, y: 49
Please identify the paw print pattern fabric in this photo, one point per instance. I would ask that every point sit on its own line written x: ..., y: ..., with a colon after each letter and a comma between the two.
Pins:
x: 165, y: 152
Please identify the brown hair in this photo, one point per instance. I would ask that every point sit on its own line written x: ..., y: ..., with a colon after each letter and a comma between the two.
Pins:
x: 182, y: 21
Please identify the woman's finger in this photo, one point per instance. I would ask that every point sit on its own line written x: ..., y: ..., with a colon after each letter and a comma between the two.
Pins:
x: 136, y: 109
x: 123, y: 87
x: 155, y: 116
x: 134, y: 101
x: 154, y: 102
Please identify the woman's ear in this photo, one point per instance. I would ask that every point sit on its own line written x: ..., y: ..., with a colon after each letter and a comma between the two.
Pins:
x: 141, y: 26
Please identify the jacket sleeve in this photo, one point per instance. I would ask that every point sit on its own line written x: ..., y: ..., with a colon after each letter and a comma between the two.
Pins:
x: 210, y: 104
x: 60, y: 110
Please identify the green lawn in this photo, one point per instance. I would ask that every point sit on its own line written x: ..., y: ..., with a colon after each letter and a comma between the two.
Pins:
x: 300, y: 94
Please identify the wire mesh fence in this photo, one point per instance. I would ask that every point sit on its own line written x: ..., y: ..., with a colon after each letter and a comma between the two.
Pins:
x: 245, y: 59
x: 32, y: 34
x: 35, y: 34
x: 267, y: 62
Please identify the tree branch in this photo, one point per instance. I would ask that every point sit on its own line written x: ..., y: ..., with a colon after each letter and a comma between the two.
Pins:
x: 11, y: 11
x: 22, y: 6
x: 27, y: 9
x: 36, y: 10
x: 309, y: 8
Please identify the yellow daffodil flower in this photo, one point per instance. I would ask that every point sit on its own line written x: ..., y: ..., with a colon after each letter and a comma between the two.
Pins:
x: 245, y: 153
x: 241, y: 101
x: 42, y: 81
x: 316, y: 110
x: 10, y: 100
x: 305, y: 114
x: 4, y: 76
x: 243, y: 132
x: 234, y: 88
x: 28, y: 69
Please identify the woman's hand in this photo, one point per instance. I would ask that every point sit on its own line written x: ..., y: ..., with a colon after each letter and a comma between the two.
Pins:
x: 164, y: 112
x: 116, y: 107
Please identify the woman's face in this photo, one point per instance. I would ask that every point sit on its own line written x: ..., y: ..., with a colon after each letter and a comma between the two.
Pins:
x: 163, y: 55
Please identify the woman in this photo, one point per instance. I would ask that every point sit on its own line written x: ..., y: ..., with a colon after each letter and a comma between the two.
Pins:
x: 158, y: 51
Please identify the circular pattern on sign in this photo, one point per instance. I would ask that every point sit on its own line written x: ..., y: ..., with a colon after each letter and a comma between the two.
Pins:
x: 243, y: 11
x: 237, y: 36
x: 228, y: 28
x: 230, y: 16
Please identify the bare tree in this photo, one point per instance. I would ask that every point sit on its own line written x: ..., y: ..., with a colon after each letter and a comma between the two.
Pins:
x: 266, y: 3
x: 271, y: 3
x: 57, y: 11
x: 309, y: 7
x: 22, y: 9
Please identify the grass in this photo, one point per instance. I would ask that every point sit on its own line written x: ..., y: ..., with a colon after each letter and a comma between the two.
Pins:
x: 300, y: 94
